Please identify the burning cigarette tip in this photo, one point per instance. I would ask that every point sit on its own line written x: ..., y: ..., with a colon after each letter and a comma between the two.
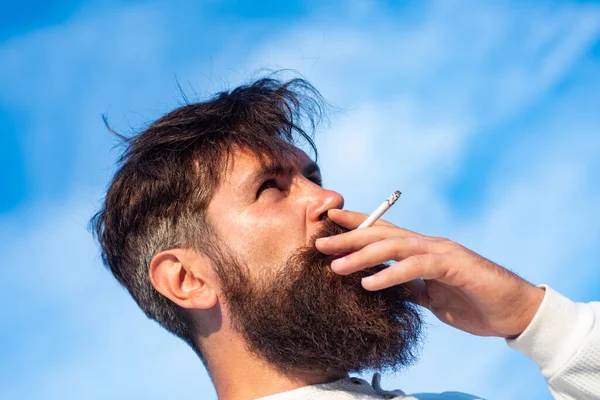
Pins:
x: 394, y: 197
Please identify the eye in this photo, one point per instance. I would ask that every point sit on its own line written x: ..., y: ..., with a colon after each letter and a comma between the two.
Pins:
x: 268, y: 184
x: 316, y: 179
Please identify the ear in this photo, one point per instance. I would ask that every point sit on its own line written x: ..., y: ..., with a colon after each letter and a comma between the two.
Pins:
x: 185, y: 277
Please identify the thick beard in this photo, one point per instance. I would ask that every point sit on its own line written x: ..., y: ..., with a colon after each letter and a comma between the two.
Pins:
x: 308, y: 318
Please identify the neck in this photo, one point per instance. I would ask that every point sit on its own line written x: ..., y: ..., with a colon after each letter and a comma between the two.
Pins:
x: 238, y: 374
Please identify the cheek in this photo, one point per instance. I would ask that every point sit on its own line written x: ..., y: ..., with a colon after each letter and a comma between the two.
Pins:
x: 268, y: 239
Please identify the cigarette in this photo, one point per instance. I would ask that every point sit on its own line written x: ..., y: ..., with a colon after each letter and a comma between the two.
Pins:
x: 375, y: 215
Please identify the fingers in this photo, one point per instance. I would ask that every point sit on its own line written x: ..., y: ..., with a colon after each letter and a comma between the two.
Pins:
x: 351, y: 219
x: 424, y: 266
x: 357, y: 239
x: 420, y: 257
x: 380, y: 251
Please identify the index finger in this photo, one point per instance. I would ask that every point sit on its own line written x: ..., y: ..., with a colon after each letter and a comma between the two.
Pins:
x: 352, y: 220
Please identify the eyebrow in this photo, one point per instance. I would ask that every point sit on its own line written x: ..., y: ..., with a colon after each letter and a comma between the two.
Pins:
x: 278, y: 170
x: 311, y: 168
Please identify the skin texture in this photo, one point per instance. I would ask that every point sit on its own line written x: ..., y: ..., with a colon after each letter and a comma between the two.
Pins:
x: 460, y: 287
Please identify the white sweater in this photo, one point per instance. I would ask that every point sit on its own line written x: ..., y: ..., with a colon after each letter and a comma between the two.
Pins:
x: 563, y: 339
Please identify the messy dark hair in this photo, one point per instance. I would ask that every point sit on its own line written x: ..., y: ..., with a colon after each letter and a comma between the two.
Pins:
x: 168, y: 173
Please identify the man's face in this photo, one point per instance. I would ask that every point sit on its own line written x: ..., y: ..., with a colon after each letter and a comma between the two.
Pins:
x: 291, y: 309
x: 265, y: 214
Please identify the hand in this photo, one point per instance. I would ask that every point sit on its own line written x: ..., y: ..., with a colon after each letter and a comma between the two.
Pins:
x: 460, y: 287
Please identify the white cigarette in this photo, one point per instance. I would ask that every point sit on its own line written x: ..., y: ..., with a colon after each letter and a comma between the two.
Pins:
x: 375, y: 215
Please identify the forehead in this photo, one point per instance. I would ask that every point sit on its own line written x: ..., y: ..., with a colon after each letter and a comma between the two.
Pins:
x: 243, y: 163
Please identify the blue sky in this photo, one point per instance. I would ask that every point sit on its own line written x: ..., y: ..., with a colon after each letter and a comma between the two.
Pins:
x: 485, y: 115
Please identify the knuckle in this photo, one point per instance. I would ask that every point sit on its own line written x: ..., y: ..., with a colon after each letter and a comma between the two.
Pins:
x: 398, y: 248
x: 449, y: 245
x: 418, y: 262
x: 425, y: 260
x: 417, y: 243
x: 429, y: 258
x: 382, y: 232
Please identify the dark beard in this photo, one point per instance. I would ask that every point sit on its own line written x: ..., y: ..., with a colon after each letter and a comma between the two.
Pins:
x: 308, y: 318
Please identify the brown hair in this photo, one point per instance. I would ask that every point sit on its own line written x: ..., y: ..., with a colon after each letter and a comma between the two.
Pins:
x: 168, y: 173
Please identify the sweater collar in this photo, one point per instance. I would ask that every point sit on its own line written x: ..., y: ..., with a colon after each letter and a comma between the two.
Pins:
x: 342, y: 389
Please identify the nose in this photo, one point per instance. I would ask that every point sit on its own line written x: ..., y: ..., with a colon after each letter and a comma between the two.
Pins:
x: 322, y: 201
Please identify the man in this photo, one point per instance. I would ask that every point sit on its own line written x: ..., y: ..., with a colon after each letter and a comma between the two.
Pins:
x: 219, y: 227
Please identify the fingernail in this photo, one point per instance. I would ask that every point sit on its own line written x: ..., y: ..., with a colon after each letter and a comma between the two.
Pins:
x: 322, y: 239
x: 369, y: 280
x: 338, y: 262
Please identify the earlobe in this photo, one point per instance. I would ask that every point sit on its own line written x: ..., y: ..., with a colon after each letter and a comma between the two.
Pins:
x: 184, y: 277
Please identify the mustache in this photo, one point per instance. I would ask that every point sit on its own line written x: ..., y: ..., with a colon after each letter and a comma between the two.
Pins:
x: 329, y: 228
x: 315, y: 261
x: 310, y: 254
